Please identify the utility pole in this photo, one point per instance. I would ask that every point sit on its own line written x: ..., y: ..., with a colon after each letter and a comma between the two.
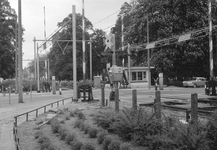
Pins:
x: 210, y: 40
x: 122, y: 35
x: 16, y: 57
x: 129, y: 70
x: 74, y: 52
x: 20, y: 71
x: 91, y: 73
x: 35, y: 63
x: 83, y: 42
x: 38, y: 82
x: 148, y: 59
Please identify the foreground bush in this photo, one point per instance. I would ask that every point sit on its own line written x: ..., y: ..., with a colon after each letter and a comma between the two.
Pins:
x: 114, y: 145
x: 106, y: 142
x: 55, y: 125
x: 212, y: 130
x: 92, y: 132
x: 126, y: 146
x: 45, y: 143
x: 88, y: 146
x: 101, y: 136
x: 76, y: 145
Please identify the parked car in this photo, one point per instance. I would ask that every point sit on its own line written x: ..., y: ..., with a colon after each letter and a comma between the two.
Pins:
x: 195, y: 82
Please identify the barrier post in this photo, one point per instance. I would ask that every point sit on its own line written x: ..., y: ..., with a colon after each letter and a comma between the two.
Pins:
x: 157, y: 105
x: 134, y: 100
x: 9, y: 93
x: 194, y: 108
x: 102, y: 94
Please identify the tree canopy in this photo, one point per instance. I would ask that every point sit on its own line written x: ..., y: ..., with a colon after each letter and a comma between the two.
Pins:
x: 167, y: 18
x: 8, y: 25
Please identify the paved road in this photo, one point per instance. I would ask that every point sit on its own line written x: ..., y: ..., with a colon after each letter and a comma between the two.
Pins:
x: 7, y: 112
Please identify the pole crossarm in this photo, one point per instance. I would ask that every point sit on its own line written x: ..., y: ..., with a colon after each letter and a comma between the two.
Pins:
x: 53, y: 34
x: 174, y: 39
x: 61, y: 40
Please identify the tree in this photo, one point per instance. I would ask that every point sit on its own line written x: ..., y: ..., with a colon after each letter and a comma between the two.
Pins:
x: 8, y: 25
x: 168, y: 18
x: 61, y: 64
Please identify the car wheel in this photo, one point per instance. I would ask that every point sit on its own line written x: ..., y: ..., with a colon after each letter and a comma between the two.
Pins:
x: 195, y: 85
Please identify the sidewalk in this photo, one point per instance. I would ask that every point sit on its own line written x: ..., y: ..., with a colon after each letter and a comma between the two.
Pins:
x: 7, y: 113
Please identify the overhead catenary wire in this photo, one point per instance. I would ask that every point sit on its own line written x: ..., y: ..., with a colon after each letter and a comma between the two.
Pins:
x: 106, y: 17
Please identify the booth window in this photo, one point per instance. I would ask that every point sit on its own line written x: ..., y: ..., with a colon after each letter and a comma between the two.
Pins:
x: 134, y: 76
x: 139, y: 75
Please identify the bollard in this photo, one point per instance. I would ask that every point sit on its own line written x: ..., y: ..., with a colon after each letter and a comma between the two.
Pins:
x: 60, y: 91
x: 102, y: 94
x: 194, y: 108
x: 3, y: 91
x: 53, y: 85
x: 116, y: 97
x: 9, y: 93
x: 134, y: 100
x: 31, y: 92
x: 157, y: 105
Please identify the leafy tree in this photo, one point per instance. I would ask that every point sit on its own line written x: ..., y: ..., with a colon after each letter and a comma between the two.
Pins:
x: 7, y: 39
x: 61, y: 60
x: 42, y: 69
x: 168, y: 18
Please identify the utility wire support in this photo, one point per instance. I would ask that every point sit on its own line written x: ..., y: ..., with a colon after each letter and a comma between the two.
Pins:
x: 106, y: 17
x: 83, y: 42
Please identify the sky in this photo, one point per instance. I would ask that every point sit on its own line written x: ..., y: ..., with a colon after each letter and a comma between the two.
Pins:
x: 56, y: 11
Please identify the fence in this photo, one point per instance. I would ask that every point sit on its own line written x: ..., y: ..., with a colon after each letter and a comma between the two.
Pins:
x: 16, y: 139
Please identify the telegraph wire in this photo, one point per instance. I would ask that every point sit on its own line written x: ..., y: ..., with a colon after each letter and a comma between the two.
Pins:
x: 106, y: 17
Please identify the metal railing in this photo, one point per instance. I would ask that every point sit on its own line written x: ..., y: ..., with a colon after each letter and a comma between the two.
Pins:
x: 16, y: 138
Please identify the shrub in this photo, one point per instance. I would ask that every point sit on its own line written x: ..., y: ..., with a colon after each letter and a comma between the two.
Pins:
x: 78, y: 123
x: 45, y: 143
x: 76, y: 145
x: 63, y: 133
x: 132, y: 123
x: 105, y: 119
x: 92, y: 132
x: 62, y: 121
x: 88, y: 146
x: 72, y: 113
x: 71, y: 136
x: 37, y: 134
x: 55, y: 125
x: 114, y: 145
x: 186, y: 137
x: 126, y: 146
x: 212, y: 130
x: 106, y: 142
x: 86, y: 128
x: 67, y: 117
x: 101, y: 136
x: 43, y: 139
x: 80, y: 115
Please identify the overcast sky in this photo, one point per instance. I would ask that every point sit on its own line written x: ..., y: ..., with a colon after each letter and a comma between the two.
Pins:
x: 56, y: 11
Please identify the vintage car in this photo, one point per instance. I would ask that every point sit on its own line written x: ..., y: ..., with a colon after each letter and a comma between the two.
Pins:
x: 195, y: 82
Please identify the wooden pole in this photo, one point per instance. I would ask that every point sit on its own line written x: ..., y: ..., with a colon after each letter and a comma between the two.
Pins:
x: 74, y: 53
x: 194, y: 108
x: 38, y: 82
x: 157, y: 104
x: 20, y: 66
x: 134, y: 100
